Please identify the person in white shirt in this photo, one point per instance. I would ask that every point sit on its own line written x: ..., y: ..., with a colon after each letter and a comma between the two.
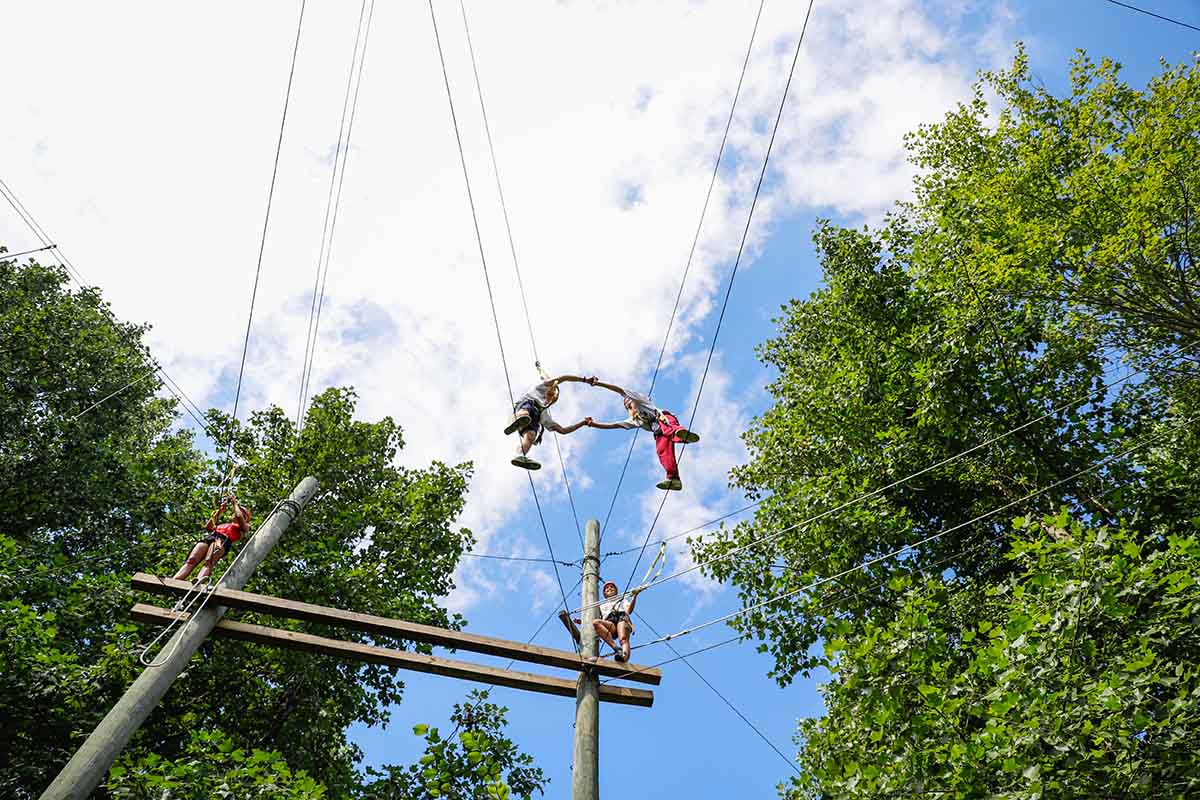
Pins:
x: 614, y: 623
x: 663, y: 424
x: 531, y: 415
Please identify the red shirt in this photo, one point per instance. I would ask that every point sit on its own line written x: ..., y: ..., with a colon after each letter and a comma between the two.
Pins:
x: 230, y: 530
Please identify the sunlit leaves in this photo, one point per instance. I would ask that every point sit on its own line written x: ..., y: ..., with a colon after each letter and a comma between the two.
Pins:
x: 476, y: 761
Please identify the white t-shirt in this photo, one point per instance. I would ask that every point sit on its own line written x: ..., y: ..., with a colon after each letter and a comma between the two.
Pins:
x: 538, y: 394
x: 646, y: 409
x: 618, y: 603
x: 548, y: 421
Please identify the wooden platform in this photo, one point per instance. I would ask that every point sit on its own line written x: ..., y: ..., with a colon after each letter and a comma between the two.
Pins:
x: 400, y: 629
x: 400, y: 659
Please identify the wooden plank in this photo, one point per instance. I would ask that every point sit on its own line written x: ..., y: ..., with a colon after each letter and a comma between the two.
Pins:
x: 572, y: 628
x: 412, y: 631
x: 416, y: 662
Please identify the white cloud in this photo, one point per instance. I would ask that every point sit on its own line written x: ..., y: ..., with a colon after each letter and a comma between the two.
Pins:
x: 148, y: 135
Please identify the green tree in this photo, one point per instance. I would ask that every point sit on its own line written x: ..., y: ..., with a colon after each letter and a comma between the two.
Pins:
x: 475, y: 762
x: 92, y: 469
x: 211, y: 766
x: 1076, y: 676
x: 86, y: 449
x: 1084, y: 200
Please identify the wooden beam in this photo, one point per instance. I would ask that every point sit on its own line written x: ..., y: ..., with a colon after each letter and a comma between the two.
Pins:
x: 400, y: 629
x: 572, y: 628
x: 400, y: 659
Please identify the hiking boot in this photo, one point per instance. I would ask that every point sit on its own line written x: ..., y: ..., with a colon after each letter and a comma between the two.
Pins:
x: 525, y: 462
x: 519, y: 422
x: 670, y: 484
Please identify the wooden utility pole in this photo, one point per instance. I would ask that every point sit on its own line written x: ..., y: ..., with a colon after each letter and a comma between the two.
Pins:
x: 585, y: 778
x: 83, y: 773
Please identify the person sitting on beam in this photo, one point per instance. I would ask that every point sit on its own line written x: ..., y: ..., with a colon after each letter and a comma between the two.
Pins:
x: 614, y: 623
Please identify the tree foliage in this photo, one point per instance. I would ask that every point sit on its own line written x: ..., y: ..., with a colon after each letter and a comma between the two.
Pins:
x: 476, y: 761
x: 79, y: 470
x: 1076, y: 676
x: 212, y: 765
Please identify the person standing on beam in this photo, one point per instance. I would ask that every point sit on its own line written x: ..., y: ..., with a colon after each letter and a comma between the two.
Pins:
x: 531, y: 416
x: 663, y: 424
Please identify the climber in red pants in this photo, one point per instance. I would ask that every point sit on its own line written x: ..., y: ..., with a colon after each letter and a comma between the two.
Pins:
x: 663, y: 424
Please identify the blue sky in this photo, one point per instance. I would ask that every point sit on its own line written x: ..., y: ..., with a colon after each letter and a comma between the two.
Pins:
x: 606, y: 122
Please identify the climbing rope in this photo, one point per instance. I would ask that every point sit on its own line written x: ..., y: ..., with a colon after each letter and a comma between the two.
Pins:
x: 487, y: 280
x: 262, y: 245
x: 733, y: 273
x: 329, y: 225
x: 691, y: 254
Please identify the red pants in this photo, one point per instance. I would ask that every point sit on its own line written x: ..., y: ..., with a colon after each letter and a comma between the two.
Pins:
x: 664, y: 443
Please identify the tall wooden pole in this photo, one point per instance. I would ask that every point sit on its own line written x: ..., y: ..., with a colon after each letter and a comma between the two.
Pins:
x: 83, y: 773
x: 585, y: 780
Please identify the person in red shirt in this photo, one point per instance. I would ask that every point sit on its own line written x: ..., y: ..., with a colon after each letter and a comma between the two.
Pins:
x: 213, y: 546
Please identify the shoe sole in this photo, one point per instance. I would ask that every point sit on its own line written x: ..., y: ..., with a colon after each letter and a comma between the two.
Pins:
x: 529, y: 465
x: 518, y: 424
x: 688, y: 438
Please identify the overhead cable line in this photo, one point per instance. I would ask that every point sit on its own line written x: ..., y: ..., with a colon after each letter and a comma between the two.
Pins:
x: 521, y: 558
x: 10, y: 256
x: 190, y: 406
x: 1180, y: 351
x: 790, y: 762
x: 691, y: 254
x: 701, y: 526
x: 733, y: 273
x: 319, y: 300
x: 926, y: 540
x: 39, y: 232
x: 487, y: 129
x: 113, y: 394
x: 262, y: 245
x: 742, y: 637
x: 1180, y: 23
x: 512, y: 247
x: 487, y: 280
x: 312, y: 311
